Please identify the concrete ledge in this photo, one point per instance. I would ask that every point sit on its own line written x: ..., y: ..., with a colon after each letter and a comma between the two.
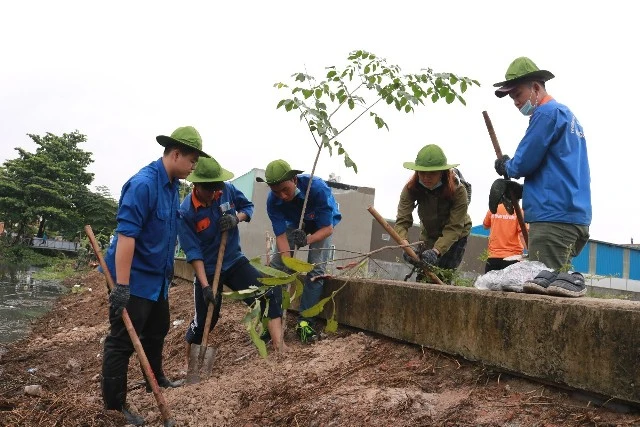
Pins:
x: 585, y: 343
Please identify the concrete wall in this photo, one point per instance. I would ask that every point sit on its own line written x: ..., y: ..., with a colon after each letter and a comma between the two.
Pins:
x: 587, y: 344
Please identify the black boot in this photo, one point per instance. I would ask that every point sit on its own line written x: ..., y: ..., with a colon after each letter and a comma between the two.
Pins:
x: 114, y: 394
x: 163, y: 382
x: 155, y: 362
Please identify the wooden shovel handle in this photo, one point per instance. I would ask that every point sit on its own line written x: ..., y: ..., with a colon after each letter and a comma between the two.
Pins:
x: 137, y: 345
x: 408, y: 249
x: 516, y: 204
x: 214, y: 286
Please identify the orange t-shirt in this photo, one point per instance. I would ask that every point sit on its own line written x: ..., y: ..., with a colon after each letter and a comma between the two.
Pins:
x: 504, y: 238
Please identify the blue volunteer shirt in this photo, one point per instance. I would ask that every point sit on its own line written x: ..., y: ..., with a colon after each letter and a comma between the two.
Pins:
x: 552, y: 158
x: 198, y: 228
x: 148, y: 212
x: 321, y: 210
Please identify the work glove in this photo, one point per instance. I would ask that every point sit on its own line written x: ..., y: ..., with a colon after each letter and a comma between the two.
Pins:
x: 501, y: 167
x: 412, y: 261
x: 207, y: 294
x: 500, y: 192
x: 227, y: 222
x: 299, y: 238
x: 119, y: 297
x: 429, y: 257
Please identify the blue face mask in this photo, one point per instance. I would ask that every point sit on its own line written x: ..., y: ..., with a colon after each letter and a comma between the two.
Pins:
x: 439, y: 184
x: 527, y: 109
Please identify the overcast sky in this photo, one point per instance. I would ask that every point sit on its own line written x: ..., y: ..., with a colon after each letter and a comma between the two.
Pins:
x: 124, y: 72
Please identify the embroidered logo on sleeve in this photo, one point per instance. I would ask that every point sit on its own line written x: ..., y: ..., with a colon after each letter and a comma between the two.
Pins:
x: 203, y: 224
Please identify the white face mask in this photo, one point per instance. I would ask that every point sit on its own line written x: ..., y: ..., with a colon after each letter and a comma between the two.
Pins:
x: 438, y: 184
x: 295, y: 193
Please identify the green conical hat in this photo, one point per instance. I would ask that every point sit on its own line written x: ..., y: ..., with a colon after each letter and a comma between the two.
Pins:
x: 278, y: 171
x: 430, y: 158
x: 209, y: 170
x: 187, y: 136
x: 521, y: 70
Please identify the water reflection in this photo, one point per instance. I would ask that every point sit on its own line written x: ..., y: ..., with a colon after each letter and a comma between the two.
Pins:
x: 23, y: 299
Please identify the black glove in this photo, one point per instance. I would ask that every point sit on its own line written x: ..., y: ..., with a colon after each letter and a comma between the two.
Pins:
x: 227, y: 222
x: 500, y: 192
x: 207, y: 294
x: 412, y: 261
x: 501, y: 167
x: 119, y: 297
x: 429, y: 257
x: 299, y: 238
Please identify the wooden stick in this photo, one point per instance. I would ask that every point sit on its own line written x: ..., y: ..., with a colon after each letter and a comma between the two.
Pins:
x: 216, y: 280
x: 408, y: 249
x: 516, y: 204
x: 148, y: 372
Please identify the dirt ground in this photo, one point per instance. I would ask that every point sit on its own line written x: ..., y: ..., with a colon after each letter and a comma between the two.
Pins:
x: 350, y: 378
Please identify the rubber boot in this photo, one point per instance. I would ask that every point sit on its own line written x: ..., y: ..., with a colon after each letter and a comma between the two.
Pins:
x: 155, y: 361
x: 114, y: 394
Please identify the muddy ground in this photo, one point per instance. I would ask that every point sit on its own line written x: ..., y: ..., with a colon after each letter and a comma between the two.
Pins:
x: 351, y: 378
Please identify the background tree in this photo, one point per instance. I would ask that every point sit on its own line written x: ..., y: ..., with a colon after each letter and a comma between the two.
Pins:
x: 48, y: 189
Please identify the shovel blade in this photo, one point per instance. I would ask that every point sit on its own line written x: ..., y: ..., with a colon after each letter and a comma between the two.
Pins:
x: 198, y: 369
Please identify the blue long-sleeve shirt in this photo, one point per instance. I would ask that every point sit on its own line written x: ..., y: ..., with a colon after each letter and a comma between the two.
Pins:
x: 199, y: 233
x: 552, y: 158
x: 148, y: 212
x: 321, y: 210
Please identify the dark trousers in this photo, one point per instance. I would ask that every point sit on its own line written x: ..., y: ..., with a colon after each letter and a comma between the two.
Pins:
x: 497, y: 264
x: 150, y: 320
x: 240, y: 276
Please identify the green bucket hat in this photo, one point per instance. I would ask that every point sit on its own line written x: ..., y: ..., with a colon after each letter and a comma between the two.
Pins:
x: 209, y: 170
x: 187, y: 136
x: 430, y: 158
x: 521, y: 70
x: 278, y: 171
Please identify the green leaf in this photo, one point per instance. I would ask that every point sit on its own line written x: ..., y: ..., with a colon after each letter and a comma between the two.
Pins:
x: 297, y: 265
x: 331, y: 73
x: 281, y: 103
x: 260, y: 345
x: 351, y: 104
x: 316, y: 309
x: 299, y: 288
x: 318, y: 93
x: 434, y: 97
x: 240, y: 295
x: 269, y: 271
x: 461, y: 99
x: 450, y: 97
x: 367, y: 69
x: 300, y: 77
x: 453, y: 79
x: 463, y: 86
x: 332, y: 326
x: 407, y: 108
x: 274, y: 281
x: 307, y: 93
x: 286, y: 302
x: 349, y: 163
x: 340, y: 151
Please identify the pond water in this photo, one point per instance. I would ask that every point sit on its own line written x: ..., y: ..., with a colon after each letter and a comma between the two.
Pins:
x: 23, y: 299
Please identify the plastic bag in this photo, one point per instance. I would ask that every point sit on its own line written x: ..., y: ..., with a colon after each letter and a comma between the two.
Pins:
x: 510, y: 278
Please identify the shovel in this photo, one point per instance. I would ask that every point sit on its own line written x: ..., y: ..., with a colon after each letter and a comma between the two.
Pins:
x: 201, y: 357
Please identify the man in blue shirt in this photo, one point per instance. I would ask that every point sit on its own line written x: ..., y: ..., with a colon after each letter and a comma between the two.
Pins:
x: 321, y: 215
x: 552, y: 158
x: 215, y: 206
x: 141, y: 257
